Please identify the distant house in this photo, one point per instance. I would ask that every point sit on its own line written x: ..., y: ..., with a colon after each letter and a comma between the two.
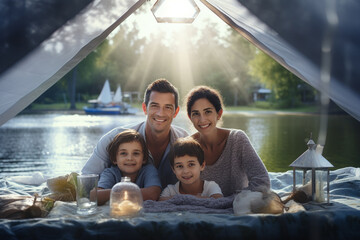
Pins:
x: 132, y: 96
x: 261, y: 94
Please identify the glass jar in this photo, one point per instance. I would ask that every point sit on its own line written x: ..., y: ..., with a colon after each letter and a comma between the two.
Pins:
x: 125, y: 199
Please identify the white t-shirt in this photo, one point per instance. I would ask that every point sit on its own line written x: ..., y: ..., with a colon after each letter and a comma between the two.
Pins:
x: 210, y: 188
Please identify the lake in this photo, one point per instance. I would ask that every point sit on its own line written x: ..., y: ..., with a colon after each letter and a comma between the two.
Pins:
x: 57, y: 144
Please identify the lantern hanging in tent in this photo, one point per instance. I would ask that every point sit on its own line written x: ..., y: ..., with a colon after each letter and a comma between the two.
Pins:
x: 315, y: 172
x: 175, y: 11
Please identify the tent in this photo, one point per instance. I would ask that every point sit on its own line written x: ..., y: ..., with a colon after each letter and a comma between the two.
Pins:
x: 41, y: 41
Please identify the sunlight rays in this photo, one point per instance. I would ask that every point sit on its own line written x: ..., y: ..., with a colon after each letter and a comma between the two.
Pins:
x: 171, y: 49
x: 184, y: 67
x: 143, y: 66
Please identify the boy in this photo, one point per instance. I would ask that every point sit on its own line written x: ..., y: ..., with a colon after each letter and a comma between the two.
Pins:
x: 187, y: 162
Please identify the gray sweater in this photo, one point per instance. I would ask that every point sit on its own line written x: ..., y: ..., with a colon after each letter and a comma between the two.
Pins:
x: 238, y: 167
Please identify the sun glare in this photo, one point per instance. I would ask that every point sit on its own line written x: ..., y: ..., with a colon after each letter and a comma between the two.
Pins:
x: 180, y: 37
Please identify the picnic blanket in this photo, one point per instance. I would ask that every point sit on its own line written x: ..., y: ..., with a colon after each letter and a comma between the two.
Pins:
x: 184, y: 217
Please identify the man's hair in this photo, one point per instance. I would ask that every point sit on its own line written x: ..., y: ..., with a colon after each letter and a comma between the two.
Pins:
x: 127, y: 136
x: 187, y: 146
x: 163, y: 86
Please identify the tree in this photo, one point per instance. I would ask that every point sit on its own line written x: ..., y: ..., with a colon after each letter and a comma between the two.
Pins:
x: 188, y: 58
x: 239, y: 53
x: 284, y: 84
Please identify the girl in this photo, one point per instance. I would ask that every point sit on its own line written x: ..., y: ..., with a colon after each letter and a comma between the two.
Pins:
x: 129, y: 154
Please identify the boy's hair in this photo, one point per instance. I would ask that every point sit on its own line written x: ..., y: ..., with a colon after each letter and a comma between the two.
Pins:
x: 127, y: 136
x: 163, y: 86
x: 187, y: 146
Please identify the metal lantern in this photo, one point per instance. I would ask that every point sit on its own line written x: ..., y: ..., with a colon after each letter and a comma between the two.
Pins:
x: 315, y: 172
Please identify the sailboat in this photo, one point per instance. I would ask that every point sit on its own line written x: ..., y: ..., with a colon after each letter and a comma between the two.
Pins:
x: 108, y: 104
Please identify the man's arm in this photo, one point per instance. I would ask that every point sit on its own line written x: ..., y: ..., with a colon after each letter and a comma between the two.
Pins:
x: 103, y: 195
x: 151, y: 193
x: 99, y: 160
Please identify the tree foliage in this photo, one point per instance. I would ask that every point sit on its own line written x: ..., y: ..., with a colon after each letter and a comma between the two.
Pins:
x: 285, y: 85
x: 195, y: 58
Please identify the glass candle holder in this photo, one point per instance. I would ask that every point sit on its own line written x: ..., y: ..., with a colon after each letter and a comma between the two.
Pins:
x: 125, y: 199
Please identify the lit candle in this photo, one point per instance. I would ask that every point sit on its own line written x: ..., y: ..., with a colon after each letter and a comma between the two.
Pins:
x: 319, y: 195
x: 124, y: 207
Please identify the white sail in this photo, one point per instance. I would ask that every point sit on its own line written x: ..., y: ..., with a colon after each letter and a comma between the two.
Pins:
x: 105, y: 95
x: 118, y: 95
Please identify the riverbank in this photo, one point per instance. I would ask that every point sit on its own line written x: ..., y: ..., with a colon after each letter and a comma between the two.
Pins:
x: 229, y: 110
x: 65, y: 108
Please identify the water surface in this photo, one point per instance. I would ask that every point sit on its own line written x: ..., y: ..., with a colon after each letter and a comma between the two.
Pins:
x: 57, y: 144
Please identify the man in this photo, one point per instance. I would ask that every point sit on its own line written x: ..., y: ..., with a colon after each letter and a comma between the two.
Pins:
x: 161, y: 105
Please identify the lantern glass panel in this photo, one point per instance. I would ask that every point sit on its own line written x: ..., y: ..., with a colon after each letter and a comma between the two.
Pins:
x: 300, y: 181
x: 320, y: 185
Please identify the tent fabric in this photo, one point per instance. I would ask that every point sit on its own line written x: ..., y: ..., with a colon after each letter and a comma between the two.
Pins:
x: 25, y: 24
x: 316, y: 40
x: 47, y: 62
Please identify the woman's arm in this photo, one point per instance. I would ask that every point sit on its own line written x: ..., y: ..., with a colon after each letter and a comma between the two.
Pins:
x: 255, y: 169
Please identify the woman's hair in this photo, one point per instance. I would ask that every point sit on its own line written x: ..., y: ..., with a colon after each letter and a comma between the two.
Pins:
x: 126, y: 136
x: 212, y: 95
x: 163, y: 86
x: 186, y: 146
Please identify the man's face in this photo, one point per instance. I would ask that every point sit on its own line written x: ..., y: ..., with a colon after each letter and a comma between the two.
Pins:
x: 160, y: 111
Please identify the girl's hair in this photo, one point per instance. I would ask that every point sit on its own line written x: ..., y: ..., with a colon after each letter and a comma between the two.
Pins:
x: 212, y: 95
x: 126, y: 136
x: 187, y: 146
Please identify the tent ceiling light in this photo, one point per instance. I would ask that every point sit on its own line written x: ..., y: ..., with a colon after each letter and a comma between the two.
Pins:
x: 175, y: 11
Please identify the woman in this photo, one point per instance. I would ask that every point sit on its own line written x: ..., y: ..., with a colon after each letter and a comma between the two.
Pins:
x: 231, y: 160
